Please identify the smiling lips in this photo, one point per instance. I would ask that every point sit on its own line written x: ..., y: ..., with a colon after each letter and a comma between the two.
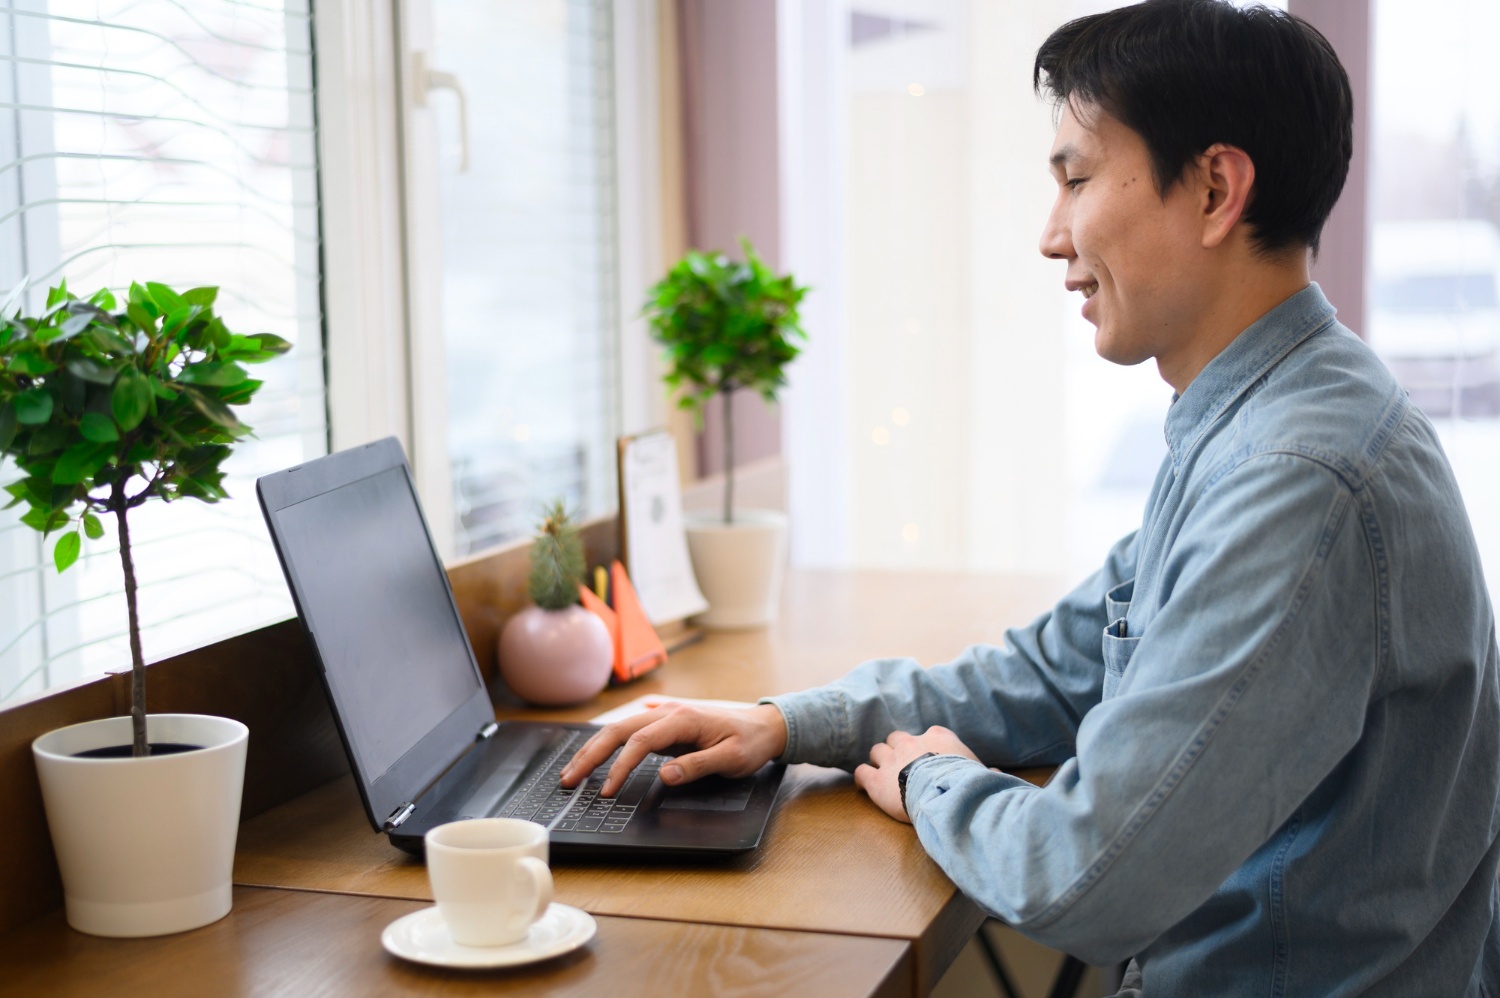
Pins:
x: 1089, y: 290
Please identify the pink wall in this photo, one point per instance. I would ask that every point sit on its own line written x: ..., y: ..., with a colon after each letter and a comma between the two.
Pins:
x: 732, y: 158
x: 1340, y: 268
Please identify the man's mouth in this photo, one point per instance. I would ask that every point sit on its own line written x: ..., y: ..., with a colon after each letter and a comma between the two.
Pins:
x: 1089, y: 290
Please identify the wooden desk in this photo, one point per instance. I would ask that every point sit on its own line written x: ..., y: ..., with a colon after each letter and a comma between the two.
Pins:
x: 279, y: 942
x: 840, y: 900
x: 831, y: 863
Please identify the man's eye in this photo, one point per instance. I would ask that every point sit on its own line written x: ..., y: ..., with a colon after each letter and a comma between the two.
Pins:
x: 1075, y: 181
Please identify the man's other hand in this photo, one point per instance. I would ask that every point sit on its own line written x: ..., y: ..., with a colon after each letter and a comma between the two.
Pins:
x: 878, y: 777
x: 730, y: 741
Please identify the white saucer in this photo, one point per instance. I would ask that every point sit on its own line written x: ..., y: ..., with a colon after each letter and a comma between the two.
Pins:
x: 422, y: 937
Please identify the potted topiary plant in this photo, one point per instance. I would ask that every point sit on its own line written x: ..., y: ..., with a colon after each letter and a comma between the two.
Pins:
x: 729, y: 326
x: 556, y: 652
x: 101, y: 411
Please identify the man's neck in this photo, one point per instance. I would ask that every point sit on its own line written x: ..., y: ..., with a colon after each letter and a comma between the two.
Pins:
x: 1242, y: 296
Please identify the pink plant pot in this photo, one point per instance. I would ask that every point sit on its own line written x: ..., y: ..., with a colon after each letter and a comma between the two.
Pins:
x: 554, y: 658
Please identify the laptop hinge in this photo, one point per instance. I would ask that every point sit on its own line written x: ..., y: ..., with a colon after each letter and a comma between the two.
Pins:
x: 487, y: 731
x: 402, y: 812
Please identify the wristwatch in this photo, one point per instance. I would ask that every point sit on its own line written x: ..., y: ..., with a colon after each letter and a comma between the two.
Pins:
x: 905, y: 772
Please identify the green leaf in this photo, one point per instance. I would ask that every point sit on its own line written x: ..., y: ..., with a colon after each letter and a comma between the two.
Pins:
x: 201, y: 296
x: 99, y: 428
x: 66, y: 551
x: 107, y: 341
x: 215, y: 333
x: 214, y: 409
x: 58, y: 294
x: 8, y: 424
x: 272, y: 343
x: 10, y: 299
x: 44, y: 520
x: 36, y: 491
x: 89, y: 369
x: 73, y: 325
x: 47, y: 438
x: 31, y: 363
x: 179, y: 317
x: 131, y: 399
x: 213, y: 372
x: 34, y: 406
x: 143, y: 319
x: 104, y: 299
x: 241, y: 393
x: 80, y: 462
x: 166, y: 299
x: 92, y: 526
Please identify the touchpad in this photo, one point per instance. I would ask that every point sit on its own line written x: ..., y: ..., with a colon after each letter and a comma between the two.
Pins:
x: 712, y: 793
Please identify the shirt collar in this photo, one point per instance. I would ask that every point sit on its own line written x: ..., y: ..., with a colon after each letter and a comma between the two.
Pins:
x: 1241, y: 364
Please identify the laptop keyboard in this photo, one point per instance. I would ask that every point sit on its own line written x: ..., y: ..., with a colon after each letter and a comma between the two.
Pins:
x: 543, y: 800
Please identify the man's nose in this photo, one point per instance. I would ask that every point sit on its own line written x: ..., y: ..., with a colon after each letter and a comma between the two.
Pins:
x: 1057, y: 241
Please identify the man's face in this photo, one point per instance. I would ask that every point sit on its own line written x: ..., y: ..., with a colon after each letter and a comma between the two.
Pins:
x: 1132, y: 253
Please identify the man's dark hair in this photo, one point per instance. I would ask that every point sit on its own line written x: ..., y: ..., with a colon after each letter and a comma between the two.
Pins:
x: 1185, y: 74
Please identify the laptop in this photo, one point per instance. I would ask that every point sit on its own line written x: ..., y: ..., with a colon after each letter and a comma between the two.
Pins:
x: 409, y: 701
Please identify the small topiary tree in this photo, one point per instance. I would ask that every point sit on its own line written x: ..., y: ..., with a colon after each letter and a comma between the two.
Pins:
x: 726, y: 326
x: 557, y: 562
x: 102, y: 410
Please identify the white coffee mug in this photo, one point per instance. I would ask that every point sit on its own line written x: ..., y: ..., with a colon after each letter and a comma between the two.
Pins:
x: 489, y: 877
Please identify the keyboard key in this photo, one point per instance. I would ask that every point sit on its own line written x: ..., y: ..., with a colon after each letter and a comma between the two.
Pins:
x: 544, y: 800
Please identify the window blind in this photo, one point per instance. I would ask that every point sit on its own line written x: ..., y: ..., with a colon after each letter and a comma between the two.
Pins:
x: 174, y: 141
x: 529, y: 263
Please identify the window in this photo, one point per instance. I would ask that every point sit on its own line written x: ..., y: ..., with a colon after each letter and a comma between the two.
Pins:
x: 986, y: 433
x: 1434, y: 217
x: 525, y: 263
x: 168, y: 140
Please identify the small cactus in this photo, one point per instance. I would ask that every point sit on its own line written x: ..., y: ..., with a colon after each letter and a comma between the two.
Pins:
x: 557, y: 563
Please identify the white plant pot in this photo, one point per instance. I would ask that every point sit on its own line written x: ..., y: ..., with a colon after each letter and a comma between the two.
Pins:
x: 739, y: 565
x: 145, y: 846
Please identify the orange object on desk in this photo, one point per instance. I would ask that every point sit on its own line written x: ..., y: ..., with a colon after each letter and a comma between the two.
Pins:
x: 638, y: 648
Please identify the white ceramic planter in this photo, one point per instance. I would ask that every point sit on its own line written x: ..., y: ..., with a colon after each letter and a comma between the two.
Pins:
x: 739, y: 565
x: 146, y: 846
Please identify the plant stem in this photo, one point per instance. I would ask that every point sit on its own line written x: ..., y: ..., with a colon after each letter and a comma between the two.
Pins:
x: 728, y: 392
x: 120, y: 505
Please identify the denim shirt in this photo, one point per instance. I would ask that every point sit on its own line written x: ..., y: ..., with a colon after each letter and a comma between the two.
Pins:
x: 1274, y: 711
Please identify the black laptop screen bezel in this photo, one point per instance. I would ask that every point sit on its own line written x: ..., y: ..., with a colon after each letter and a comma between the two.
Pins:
x: 382, y: 793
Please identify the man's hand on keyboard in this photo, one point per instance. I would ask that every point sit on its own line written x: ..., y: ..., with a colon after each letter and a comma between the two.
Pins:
x: 730, y: 742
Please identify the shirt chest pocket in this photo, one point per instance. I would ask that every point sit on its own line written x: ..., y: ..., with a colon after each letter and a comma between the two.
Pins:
x: 1119, y: 643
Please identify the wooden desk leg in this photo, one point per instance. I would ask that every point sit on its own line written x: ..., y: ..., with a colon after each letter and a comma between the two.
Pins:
x: 944, y: 939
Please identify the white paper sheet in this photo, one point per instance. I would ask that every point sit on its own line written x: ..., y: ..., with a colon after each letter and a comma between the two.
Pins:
x: 655, y: 544
x: 651, y: 700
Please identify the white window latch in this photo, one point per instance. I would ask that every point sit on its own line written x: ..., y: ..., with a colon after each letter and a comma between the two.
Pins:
x: 424, y: 81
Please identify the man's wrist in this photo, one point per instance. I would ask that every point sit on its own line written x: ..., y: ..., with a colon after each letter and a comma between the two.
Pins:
x: 776, y: 727
x: 901, y: 777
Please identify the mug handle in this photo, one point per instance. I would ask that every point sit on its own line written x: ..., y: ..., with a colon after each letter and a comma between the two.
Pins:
x: 541, y: 880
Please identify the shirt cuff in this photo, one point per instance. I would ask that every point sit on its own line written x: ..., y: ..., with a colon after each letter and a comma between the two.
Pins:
x: 930, y: 778
x: 817, y: 727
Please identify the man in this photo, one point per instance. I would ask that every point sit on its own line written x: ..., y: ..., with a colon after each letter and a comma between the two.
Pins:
x: 1274, y: 710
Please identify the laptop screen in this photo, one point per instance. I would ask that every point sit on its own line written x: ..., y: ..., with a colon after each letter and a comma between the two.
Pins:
x: 373, y: 593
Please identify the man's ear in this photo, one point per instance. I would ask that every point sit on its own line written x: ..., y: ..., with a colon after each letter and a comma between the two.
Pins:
x: 1227, y: 174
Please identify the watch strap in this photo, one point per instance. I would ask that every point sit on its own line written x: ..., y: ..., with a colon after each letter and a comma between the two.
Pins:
x: 902, y: 776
